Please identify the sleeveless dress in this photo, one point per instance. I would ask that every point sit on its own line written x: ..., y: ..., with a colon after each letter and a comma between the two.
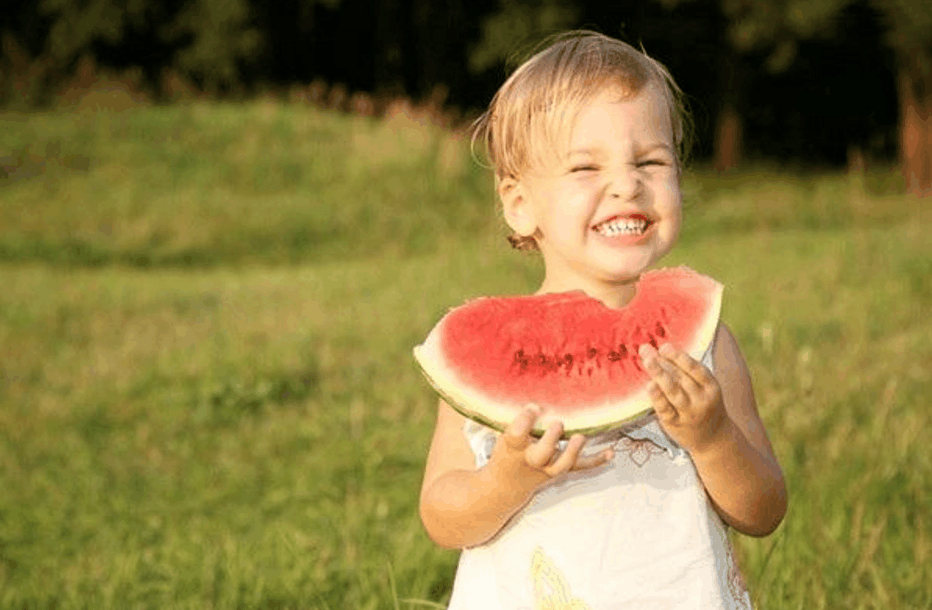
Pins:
x: 637, y: 533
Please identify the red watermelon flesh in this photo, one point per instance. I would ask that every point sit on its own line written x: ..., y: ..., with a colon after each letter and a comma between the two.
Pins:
x: 568, y: 353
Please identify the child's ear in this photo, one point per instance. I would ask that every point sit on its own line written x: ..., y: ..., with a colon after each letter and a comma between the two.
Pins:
x: 516, y: 206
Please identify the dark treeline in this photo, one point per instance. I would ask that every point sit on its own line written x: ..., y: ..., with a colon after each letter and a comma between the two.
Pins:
x: 805, y: 81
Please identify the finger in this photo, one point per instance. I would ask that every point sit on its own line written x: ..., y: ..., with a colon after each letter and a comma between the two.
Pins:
x: 684, y: 390
x: 566, y: 460
x: 541, y: 453
x: 695, y: 371
x: 666, y: 361
x: 695, y: 379
x: 662, y: 406
x: 591, y: 461
x: 517, y: 433
x: 661, y: 377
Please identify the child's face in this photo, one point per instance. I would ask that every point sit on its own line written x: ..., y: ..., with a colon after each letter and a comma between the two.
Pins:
x: 612, y: 207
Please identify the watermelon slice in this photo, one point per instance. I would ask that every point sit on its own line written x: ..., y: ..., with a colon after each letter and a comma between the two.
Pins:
x: 568, y: 353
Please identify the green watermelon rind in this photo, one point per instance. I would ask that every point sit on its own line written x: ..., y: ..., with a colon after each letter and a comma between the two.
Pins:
x: 536, y: 432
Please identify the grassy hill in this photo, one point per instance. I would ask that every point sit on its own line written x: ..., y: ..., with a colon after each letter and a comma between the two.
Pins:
x: 207, y: 395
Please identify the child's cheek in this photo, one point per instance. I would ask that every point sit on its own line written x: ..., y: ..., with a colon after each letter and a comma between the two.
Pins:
x: 671, y: 196
x: 572, y: 208
x: 670, y: 188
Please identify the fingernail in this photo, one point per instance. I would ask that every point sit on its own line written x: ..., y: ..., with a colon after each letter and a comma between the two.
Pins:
x: 666, y: 349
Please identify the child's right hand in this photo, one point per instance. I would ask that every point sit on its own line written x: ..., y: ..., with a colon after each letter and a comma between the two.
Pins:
x: 520, y: 459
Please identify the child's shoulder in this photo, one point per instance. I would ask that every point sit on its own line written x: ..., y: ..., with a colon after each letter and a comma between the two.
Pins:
x: 734, y: 380
x: 726, y: 354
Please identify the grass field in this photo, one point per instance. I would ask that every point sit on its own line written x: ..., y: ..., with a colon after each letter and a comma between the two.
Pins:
x: 208, y: 399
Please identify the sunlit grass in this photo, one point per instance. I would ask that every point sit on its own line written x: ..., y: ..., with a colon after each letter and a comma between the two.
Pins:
x: 249, y: 431
x: 206, y: 185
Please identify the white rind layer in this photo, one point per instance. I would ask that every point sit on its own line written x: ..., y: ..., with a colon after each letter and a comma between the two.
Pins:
x: 479, y: 406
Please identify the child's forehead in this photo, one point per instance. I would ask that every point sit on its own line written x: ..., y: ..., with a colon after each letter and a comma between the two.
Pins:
x: 646, y: 109
x: 600, y: 116
x: 612, y: 93
x: 533, y: 116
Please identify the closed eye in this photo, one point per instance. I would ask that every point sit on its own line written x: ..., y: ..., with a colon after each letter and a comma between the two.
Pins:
x: 656, y: 162
x: 584, y: 168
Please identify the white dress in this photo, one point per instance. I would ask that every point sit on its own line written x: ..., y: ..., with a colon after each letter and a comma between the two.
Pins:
x: 636, y: 533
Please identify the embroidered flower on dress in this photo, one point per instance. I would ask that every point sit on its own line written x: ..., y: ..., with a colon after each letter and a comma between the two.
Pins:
x: 551, y: 591
x: 638, y: 451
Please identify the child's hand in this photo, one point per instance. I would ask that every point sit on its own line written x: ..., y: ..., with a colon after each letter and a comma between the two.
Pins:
x: 521, y: 460
x: 685, y: 395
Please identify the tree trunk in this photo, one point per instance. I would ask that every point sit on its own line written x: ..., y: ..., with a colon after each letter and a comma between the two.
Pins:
x: 727, y: 139
x: 916, y: 123
x: 729, y: 126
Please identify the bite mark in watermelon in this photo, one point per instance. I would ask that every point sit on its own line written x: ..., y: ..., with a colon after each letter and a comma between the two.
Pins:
x: 568, y: 353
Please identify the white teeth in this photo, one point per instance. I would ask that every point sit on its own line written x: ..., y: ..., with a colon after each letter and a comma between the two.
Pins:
x: 622, y: 226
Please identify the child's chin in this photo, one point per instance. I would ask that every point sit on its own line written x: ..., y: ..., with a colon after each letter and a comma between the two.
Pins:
x: 621, y: 276
x: 629, y: 269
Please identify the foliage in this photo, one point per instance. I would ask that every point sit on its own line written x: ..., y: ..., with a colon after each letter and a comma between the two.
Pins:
x: 217, y: 34
x: 171, y: 50
x: 206, y: 37
x: 518, y: 26
x: 778, y: 25
x: 909, y: 26
x: 76, y: 24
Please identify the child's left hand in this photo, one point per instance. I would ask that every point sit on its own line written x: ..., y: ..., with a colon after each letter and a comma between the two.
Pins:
x: 686, y: 397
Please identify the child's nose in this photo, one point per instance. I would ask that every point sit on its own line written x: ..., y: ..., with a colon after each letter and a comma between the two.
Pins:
x: 624, y: 183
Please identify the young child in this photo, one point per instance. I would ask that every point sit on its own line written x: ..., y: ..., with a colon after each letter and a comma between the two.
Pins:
x: 586, y: 140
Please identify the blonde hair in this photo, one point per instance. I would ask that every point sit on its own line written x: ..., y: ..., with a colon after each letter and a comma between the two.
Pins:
x: 530, y: 117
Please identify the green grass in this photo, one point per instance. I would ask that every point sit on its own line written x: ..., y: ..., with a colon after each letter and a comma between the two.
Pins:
x: 200, y: 410
x: 208, y: 185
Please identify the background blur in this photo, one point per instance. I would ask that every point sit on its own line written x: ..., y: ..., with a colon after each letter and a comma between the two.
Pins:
x: 812, y: 82
x: 224, y: 224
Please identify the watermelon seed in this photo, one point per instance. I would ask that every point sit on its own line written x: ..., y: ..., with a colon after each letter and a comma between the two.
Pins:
x: 652, y: 340
x: 660, y: 331
x: 622, y: 350
x: 593, y: 352
x: 521, y: 360
x: 614, y: 356
x: 545, y: 363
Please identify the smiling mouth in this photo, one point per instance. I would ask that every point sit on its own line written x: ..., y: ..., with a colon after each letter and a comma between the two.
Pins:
x: 629, y: 225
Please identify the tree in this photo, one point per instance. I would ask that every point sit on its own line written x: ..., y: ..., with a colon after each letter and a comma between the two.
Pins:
x: 518, y: 25
x: 521, y: 25
x: 214, y: 34
x: 909, y: 34
x: 207, y: 37
x: 76, y: 24
x: 778, y: 25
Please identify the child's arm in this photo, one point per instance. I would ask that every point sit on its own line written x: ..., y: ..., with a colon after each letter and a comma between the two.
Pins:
x: 462, y: 506
x: 716, y: 420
